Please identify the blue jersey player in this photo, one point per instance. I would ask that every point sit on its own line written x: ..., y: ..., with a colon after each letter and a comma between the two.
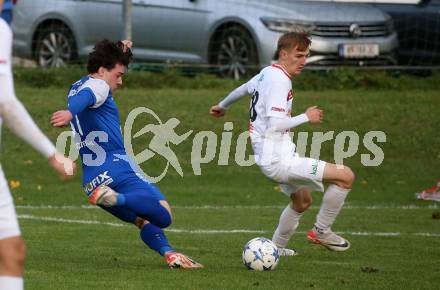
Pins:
x: 110, y: 177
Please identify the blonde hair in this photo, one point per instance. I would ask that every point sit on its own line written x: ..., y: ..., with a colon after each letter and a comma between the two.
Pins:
x: 290, y: 40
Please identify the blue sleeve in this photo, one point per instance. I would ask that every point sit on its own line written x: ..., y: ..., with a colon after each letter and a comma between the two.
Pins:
x: 78, y: 103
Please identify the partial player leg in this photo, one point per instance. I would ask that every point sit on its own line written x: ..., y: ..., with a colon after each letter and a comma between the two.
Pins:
x: 301, y: 200
x: 12, y: 257
x: 151, y: 235
x: 143, y: 205
x: 12, y: 247
x: 341, y: 180
x: 144, y: 201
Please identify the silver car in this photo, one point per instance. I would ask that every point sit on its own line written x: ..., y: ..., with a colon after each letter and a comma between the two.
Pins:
x: 233, y: 36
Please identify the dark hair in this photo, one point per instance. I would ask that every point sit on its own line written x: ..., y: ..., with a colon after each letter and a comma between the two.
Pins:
x: 107, y: 54
x: 290, y: 40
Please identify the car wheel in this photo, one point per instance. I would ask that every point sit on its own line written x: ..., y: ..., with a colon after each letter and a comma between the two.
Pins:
x: 233, y: 52
x: 55, y: 46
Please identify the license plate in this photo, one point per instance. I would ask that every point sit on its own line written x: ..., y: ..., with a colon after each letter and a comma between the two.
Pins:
x: 358, y: 50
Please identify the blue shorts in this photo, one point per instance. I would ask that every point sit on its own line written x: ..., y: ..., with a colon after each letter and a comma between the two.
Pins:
x: 134, y: 185
x: 125, y: 178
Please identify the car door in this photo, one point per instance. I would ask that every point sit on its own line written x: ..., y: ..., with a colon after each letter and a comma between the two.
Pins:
x: 170, y: 29
x: 96, y: 20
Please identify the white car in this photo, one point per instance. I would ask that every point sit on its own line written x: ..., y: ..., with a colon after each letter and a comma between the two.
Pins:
x: 234, y: 36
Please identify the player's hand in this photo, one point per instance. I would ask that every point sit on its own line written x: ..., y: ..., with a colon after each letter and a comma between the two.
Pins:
x: 128, y: 44
x: 61, y: 118
x: 217, y: 111
x: 65, y: 167
x: 315, y: 115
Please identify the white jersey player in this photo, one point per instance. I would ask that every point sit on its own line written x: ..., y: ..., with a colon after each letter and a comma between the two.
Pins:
x: 15, y: 116
x: 270, y: 121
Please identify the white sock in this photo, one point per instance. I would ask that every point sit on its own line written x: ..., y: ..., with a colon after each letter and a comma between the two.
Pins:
x: 332, y: 203
x: 11, y: 283
x: 287, y: 225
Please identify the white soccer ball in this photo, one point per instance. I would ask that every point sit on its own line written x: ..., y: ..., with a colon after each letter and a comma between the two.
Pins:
x: 260, y: 254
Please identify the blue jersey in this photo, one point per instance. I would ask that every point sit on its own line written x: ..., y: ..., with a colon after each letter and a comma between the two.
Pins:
x: 97, y: 129
x: 98, y: 136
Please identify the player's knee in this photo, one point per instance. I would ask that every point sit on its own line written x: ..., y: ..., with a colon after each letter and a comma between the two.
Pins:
x: 302, y: 201
x: 165, y: 220
x: 20, y: 255
x: 13, y: 260
x: 302, y: 207
x: 348, y: 177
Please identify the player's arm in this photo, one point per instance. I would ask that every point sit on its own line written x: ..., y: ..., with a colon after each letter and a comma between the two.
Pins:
x: 237, y: 94
x: 276, y: 109
x: 312, y: 115
x: 76, y: 104
x: 18, y: 120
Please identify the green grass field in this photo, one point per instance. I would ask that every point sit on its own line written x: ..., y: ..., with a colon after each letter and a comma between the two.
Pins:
x: 395, y: 241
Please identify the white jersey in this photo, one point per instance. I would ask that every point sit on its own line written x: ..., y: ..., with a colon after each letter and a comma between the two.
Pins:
x: 5, y: 48
x: 12, y: 112
x: 5, y: 69
x: 272, y: 95
x: 8, y: 218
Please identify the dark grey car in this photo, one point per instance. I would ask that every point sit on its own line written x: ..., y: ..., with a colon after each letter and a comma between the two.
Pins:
x: 232, y: 35
x: 418, y: 30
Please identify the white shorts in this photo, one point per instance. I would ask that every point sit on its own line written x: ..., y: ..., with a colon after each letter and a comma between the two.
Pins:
x: 295, y: 173
x: 8, y: 218
x: 8, y: 221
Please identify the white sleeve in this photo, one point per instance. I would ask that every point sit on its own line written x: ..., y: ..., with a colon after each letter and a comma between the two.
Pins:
x: 237, y: 94
x: 100, y: 90
x: 234, y: 96
x: 276, y: 102
x: 5, y: 48
x: 283, y: 124
x: 19, y: 121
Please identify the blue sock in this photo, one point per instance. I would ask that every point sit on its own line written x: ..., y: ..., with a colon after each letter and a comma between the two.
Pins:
x: 155, y: 238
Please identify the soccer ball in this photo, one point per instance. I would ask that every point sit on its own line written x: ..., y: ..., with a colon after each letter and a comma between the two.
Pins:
x: 260, y: 254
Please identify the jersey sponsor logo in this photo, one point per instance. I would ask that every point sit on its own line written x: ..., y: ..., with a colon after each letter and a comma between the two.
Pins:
x: 315, y: 168
x: 101, y: 179
x: 276, y: 109
x: 86, y: 143
x: 3, y: 61
x: 290, y: 95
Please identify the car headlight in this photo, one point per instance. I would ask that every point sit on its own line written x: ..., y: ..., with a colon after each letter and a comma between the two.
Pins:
x: 283, y: 25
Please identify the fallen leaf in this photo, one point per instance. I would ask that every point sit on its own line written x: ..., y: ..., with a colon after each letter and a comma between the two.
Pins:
x: 13, y: 184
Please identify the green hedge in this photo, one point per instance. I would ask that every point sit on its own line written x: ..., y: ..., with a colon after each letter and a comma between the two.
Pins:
x: 308, y: 80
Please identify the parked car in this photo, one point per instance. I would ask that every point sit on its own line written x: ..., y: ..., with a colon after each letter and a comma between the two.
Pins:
x: 418, y: 30
x: 232, y: 35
